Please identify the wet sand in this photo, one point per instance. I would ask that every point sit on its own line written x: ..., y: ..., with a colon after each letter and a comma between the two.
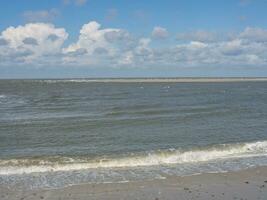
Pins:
x: 249, y: 184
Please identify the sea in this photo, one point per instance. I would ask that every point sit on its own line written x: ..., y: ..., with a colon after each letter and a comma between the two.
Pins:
x: 56, y: 133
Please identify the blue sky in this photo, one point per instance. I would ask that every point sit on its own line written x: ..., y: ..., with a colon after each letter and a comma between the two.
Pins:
x: 88, y: 38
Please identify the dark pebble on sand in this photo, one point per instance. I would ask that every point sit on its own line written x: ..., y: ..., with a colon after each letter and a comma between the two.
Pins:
x: 186, y: 188
x: 247, y: 182
x: 41, y: 197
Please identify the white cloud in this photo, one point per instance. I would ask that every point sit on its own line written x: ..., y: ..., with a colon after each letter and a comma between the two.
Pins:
x: 33, y: 41
x: 197, y: 45
x: 232, y: 48
x: 42, y: 44
x: 3, y: 42
x: 92, y: 37
x: 159, y: 32
x: 30, y: 41
x: 108, y: 45
x: 254, y: 34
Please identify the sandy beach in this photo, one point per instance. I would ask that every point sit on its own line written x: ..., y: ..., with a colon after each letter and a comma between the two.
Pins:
x: 248, y: 184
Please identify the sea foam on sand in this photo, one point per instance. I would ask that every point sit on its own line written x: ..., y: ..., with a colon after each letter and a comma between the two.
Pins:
x: 248, y: 184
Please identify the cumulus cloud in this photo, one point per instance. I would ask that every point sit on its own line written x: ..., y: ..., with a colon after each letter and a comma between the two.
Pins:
x: 32, y: 41
x: 44, y: 44
x: 232, y: 48
x: 159, y: 32
x: 110, y: 42
x: 77, y: 52
x: 92, y: 37
x: 100, y: 51
x: 40, y: 15
x: 254, y: 34
x: 35, y: 33
x: 53, y: 37
x: 3, y: 42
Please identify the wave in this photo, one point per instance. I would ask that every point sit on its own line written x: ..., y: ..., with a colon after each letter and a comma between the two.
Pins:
x: 155, y: 158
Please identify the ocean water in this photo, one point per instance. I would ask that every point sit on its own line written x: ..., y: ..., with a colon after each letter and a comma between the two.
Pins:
x: 55, y: 133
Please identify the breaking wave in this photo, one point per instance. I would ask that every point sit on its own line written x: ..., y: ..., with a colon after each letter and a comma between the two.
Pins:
x: 155, y: 158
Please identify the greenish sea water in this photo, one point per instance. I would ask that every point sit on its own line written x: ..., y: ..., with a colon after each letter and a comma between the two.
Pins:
x: 55, y: 133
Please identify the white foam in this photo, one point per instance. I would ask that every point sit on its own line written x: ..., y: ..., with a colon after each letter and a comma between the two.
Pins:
x: 21, y: 166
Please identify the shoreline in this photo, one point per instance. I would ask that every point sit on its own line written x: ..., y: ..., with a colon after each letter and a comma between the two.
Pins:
x: 245, y: 184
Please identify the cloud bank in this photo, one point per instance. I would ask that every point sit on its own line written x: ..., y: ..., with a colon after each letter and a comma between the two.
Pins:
x: 44, y: 44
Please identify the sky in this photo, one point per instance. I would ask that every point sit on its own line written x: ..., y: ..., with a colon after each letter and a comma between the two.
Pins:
x: 133, y: 38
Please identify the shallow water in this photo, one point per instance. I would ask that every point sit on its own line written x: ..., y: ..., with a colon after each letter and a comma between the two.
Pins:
x: 59, y: 132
